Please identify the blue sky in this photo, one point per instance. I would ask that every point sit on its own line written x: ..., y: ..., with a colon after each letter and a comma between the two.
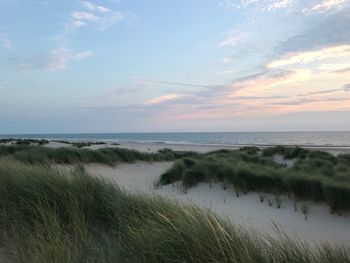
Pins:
x: 185, y: 65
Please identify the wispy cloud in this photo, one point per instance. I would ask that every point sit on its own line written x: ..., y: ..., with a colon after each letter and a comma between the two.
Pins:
x: 307, y: 57
x: 338, y: 67
x: 81, y: 16
x: 275, y: 5
x: 101, y: 17
x: 93, y: 7
x: 264, y: 5
x: 57, y: 59
x: 233, y: 38
x: 163, y: 98
x: 5, y: 41
x: 270, y: 78
x: 304, y: 101
x: 227, y: 60
x: 325, y: 31
x: 326, y: 5
x: 176, y: 83
x: 347, y: 87
x: 237, y: 4
x: 60, y: 58
x: 88, y: 15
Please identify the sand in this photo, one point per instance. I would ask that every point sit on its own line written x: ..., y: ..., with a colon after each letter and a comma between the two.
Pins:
x: 246, y: 211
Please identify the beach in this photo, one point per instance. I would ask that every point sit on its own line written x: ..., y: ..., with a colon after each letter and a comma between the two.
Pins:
x: 246, y: 211
x: 280, y: 199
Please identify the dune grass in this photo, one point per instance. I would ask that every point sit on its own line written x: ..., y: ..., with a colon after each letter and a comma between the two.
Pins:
x: 24, y: 141
x: 47, y: 216
x: 315, y: 176
x: 65, y: 155
x: 85, y: 144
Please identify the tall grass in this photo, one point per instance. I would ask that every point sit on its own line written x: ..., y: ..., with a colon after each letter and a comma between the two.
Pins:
x: 24, y: 141
x: 46, y: 216
x: 316, y: 176
x: 64, y: 155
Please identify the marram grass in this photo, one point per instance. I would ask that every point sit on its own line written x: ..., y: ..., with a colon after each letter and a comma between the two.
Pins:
x: 315, y: 176
x: 65, y: 155
x: 48, y: 216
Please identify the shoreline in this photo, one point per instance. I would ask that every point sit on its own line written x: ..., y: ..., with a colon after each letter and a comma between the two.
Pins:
x: 187, y: 143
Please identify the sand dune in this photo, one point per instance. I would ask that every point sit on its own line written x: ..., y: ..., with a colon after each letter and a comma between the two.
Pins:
x: 245, y: 210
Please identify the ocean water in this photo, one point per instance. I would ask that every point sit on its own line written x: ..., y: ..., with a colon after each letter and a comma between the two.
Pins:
x: 339, y: 139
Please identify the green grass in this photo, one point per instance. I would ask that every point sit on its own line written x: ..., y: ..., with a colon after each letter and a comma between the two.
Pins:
x: 47, y: 216
x: 315, y: 176
x: 24, y: 141
x: 65, y: 155
x: 86, y: 144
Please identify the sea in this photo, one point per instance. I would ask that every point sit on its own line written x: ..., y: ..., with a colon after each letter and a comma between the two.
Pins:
x: 319, y: 139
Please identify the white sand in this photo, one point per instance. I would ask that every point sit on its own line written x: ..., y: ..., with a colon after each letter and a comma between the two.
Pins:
x: 245, y: 210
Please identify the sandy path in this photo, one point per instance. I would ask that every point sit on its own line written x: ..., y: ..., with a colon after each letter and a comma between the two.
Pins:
x: 245, y: 210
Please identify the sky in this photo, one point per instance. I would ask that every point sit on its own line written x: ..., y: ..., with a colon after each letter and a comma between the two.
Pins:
x: 71, y: 66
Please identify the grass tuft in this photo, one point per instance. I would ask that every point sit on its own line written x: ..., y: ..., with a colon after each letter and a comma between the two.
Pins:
x: 315, y: 176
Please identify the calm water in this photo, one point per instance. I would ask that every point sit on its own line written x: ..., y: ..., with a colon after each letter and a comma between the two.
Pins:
x: 234, y: 138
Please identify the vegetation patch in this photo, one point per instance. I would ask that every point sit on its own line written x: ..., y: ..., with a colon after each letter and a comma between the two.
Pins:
x: 47, y: 216
x: 42, y: 155
x: 23, y: 141
x: 315, y: 176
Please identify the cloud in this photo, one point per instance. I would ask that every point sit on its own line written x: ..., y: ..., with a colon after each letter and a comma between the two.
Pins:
x: 75, y: 24
x: 321, y: 92
x: 237, y: 4
x: 163, y: 98
x: 226, y: 72
x: 325, y: 6
x: 92, y: 7
x: 5, y: 41
x: 308, y: 100
x: 177, y: 83
x: 82, y: 55
x: 337, y: 67
x: 269, y: 78
x: 101, y: 17
x: 227, y: 61
x: 307, y: 57
x: 344, y: 70
x: 60, y: 58
x: 326, y: 31
x: 275, y: 5
x: 85, y: 16
x: 347, y: 87
x: 232, y: 39
x: 265, y: 5
x: 57, y: 59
